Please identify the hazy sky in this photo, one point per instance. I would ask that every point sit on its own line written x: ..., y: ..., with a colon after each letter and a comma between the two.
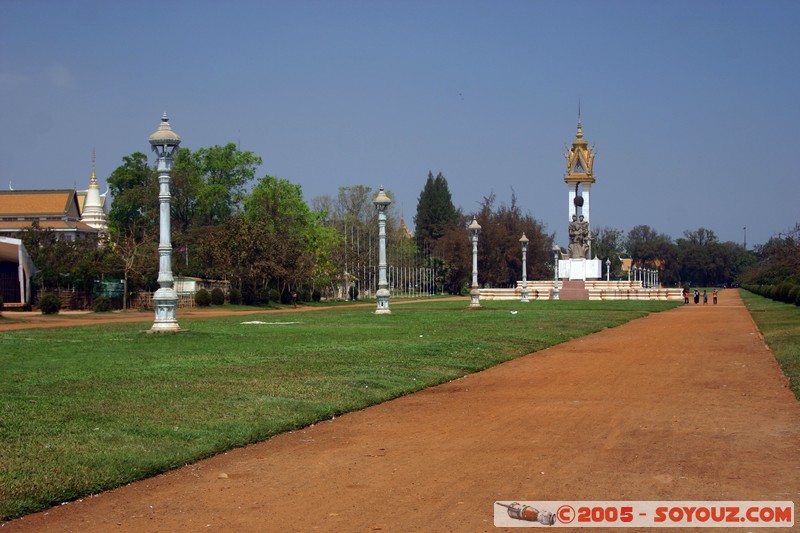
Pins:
x: 692, y: 106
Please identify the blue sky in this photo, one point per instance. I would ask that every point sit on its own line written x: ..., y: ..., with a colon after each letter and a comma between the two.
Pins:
x: 692, y: 105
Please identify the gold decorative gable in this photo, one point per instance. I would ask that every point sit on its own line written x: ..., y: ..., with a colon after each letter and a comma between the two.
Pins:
x: 580, y: 159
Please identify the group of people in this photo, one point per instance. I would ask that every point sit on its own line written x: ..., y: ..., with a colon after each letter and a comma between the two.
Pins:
x: 697, y: 296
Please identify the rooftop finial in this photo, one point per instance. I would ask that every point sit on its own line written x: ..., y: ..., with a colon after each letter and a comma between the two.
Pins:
x: 93, y: 179
x: 580, y: 126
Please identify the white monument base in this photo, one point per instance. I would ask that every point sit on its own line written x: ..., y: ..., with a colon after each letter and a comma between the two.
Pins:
x: 580, y: 269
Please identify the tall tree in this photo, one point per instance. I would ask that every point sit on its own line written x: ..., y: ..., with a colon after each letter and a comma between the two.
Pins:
x: 134, y: 187
x: 436, y: 213
x: 133, y: 221
x: 225, y: 172
x: 277, y: 206
x: 607, y: 243
x: 776, y: 261
x: 499, y: 249
x: 646, y: 246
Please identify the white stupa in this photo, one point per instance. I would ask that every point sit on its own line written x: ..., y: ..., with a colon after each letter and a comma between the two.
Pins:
x: 93, y: 210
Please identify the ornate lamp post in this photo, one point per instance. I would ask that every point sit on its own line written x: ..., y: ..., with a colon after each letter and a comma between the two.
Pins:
x: 556, y: 253
x: 524, y: 242
x: 165, y: 300
x: 475, y: 294
x: 608, y: 269
x: 381, y: 202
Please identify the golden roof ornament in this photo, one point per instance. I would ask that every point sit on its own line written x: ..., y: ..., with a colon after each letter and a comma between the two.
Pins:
x: 580, y: 159
x: 93, y: 178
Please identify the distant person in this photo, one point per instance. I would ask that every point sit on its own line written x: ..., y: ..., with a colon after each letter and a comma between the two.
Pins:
x: 705, y: 297
x: 714, y: 296
x: 696, y: 297
x: 294, y: 299
x: 685, y: 295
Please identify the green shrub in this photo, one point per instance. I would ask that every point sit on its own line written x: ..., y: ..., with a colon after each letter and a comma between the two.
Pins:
x: 50, y: 304
x: 353, y: 292
x: 202, y: 298
x: 249, y: 296
x: 236, y: 296
x: 274, y: 295
x: 217, y: 296
x: 101, y: 305
x: 316, y: 295
x: 793, y: 293
x: 263, y: 297
x: 782, y: 292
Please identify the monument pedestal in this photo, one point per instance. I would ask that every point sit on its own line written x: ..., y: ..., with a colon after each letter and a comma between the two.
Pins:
x: 580, y: 269
x: 574, y: 273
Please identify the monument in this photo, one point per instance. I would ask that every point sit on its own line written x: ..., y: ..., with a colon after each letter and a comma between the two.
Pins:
x: 579, y: 265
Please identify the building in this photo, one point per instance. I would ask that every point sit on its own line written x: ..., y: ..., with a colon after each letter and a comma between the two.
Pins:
x: 69, y: 213
x: 57, y: 210
x: 16, y: 270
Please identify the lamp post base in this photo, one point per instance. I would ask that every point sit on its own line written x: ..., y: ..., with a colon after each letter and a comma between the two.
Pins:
x: 382, y: 297
x: 475, y: 297
x: 165, y: 301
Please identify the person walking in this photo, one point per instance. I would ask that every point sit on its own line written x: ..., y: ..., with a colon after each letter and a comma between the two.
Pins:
x: 696, y: 297
x: 714, y: 296
x: 705, y: 297
x: 685, y: 295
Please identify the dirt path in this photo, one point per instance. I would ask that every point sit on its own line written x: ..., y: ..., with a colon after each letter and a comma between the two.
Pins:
x: 687, y: 404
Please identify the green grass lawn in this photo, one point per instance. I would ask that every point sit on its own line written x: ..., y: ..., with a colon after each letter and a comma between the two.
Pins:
x: 86, y: 409
x: 780, y: 325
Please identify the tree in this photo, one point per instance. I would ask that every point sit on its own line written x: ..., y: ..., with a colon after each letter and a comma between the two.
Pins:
x: 277, y: 207
x: 436, y: 213
x: 352, y: 215
x: 776, y: 261
x: 650, y: 249
x: 607, y: 243
x: 134, y: 187
x: 224, y: 172
x: 133, y: 220
x: 499, y: 249
x: 455, y: 251
x: 704, y: 261
x: 132, y: 250
x: 694, y: 256
x: 646, y: 246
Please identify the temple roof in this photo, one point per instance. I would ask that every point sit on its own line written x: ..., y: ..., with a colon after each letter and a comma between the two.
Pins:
x: 54, y: 202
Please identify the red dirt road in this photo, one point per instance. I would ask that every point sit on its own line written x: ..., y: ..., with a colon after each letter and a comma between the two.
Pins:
x: 687, y: 404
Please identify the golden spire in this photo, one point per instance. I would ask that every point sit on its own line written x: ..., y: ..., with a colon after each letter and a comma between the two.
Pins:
x: 93, y: 179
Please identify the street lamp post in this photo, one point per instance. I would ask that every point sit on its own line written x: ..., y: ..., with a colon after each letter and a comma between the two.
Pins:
x: 556, y: 253
x: 524, y: 242
x: 608, y: 269
x: 164, y: 143
x: 381, y: 202
x: 475, y: 294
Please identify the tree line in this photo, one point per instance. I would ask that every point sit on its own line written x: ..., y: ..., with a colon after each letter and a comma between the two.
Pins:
x: 263, y: 237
